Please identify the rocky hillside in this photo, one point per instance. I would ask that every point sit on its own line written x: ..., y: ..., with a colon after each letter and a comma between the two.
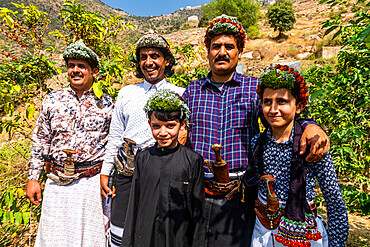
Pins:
x: 300, y: 44
x: 53, y: 7
x: 163, y: 23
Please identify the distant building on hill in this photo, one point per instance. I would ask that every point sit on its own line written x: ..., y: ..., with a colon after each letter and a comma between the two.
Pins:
x: 328, y: 52
x: 193, y: 18
x: 193, y: 21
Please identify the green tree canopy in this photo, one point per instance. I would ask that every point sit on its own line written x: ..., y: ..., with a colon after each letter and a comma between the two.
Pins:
x: 247, y: 12
x: 281, y: 16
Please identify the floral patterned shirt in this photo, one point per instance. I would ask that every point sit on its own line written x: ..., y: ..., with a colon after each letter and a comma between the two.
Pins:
x: 68, y: 122
x: 277, y: 161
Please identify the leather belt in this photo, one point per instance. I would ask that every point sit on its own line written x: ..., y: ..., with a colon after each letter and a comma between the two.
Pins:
x: 227, y: 190
x: 89, y: 171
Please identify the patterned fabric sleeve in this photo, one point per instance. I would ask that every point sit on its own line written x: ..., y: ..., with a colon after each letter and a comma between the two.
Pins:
x: 306, y: 121
x: 336, y: 210
x: 41, y: 137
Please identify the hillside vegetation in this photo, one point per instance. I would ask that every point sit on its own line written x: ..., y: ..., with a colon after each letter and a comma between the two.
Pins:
x: 32, y: 67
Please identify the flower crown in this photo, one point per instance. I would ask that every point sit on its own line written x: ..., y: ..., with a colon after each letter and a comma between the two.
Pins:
x: 284, y: 77
x: 79, y: 50
x: 225, y: 24
x: 167, y: 100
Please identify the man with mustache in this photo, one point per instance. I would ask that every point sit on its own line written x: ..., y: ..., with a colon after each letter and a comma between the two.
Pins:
x: 154, y: 61
x: 73, y: 122
x: 224, y: 110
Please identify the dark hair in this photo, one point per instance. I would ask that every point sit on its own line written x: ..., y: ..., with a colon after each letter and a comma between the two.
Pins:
x: 166, y: 115
x: 168, y: 70
x: 92, y: 62
x: 236, y: 35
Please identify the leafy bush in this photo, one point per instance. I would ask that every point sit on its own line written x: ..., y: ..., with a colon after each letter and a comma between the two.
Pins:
x: 355, y: 200
x: 188, y: 73
x: 340, y: 101
x: 23, y: 82
x: 99, y: 34
x: 23, y: 76
x: 15, y: 214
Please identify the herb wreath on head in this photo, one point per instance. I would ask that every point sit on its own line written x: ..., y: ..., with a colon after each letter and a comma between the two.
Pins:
x: 79, y: 50
x: 168, y: 101
x: 284, y: 77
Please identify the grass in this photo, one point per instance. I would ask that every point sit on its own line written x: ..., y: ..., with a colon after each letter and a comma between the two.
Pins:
x: 14, y: 156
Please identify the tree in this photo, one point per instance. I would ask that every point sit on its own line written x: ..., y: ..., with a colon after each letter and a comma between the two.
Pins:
x: 281, y: 16
x: 100, y: 34
x: 247, y: 12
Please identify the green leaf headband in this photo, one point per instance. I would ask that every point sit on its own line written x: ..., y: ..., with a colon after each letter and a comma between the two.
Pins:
x: 79, y: 50
x: 151, y: 39
x: 167, y: 100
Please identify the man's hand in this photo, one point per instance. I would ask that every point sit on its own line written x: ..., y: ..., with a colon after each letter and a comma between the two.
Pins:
x: 183, y: 134
x: 104, y: 186
x: 314, y: 136
x: 33, y: 191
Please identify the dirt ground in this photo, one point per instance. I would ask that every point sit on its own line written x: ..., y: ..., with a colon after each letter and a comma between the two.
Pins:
x: 359, y: 229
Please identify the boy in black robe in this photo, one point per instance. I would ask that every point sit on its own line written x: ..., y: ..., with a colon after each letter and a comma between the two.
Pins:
x: 166, y: 206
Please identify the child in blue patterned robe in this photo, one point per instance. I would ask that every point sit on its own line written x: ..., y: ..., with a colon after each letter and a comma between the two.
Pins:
x: 286, y: 213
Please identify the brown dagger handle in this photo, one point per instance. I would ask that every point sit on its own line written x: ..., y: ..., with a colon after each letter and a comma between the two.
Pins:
x: 220, y: 167
x: 130, y: 143
x: 209, y: 165
x: 217, y: 149
x: 69, y: 168
x: 272, y: 200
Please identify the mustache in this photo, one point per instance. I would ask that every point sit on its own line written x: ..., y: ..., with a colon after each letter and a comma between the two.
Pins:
x: 222, y: 58
x: 76, y: 74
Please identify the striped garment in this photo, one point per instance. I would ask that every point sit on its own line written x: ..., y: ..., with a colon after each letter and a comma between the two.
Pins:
x: 73, y: 215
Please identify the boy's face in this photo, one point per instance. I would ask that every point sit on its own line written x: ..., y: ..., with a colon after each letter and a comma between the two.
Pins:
x: 153, y: 64
x: 166, y: 132
x: 279, y: 107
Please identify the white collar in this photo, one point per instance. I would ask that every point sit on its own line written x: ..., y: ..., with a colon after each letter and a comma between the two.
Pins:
x: 157, y: 86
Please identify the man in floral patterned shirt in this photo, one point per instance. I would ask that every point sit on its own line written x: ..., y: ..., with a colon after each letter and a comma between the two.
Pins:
x: 71, y: 118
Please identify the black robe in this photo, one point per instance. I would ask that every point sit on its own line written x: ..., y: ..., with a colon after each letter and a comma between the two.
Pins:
x: 166, y: 205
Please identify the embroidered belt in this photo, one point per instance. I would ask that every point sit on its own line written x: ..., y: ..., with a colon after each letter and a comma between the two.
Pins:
x: 227, y: 190
x: 271, y: 219
x: 88, y: 169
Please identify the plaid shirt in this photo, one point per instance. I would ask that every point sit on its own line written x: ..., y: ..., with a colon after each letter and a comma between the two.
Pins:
x: 227, y: 117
